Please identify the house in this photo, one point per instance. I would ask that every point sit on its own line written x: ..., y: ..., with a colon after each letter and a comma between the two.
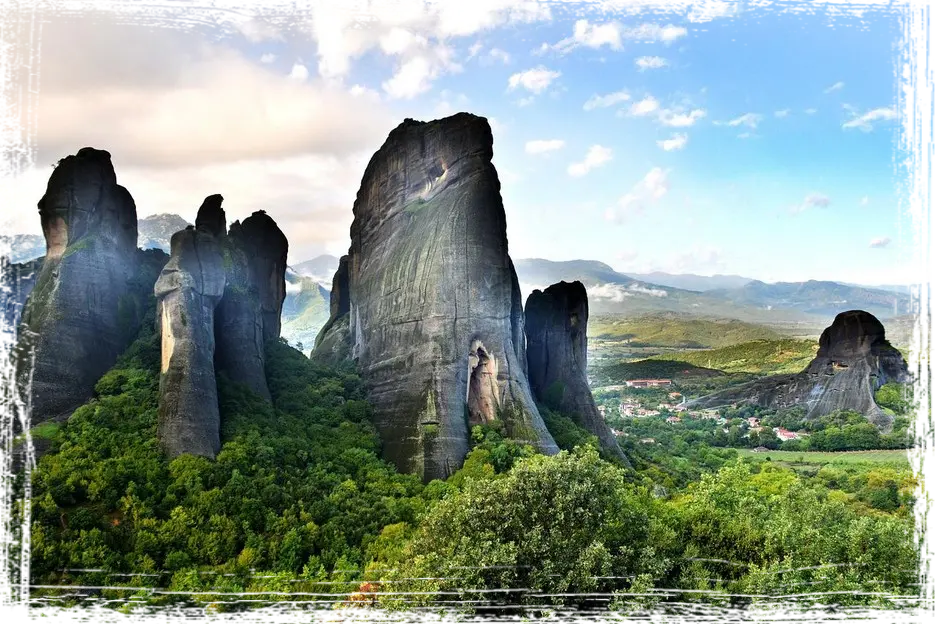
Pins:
x: 648, y: 383
x: 648, y: 440
x: 760, y: 449
x: 785, y: 434
x: 602, y: 410
x: 675, y: 395
x: 753, y: 421
x: 673, y: 419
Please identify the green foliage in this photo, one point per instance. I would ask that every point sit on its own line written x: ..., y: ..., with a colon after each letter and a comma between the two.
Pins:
x: 297, y: 485
x: 896, y: 397
x: 669, y: 330
x: 761, y: 357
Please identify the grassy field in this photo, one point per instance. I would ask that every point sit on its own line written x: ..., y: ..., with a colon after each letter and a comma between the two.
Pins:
x: 769, y: 357
x: 821, y: 458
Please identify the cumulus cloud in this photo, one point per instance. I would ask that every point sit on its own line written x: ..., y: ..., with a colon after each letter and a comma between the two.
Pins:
x: 544, y: 146
x: 654, y: 33
x: 649, y: 190
x: 864, y: 201
x: 267, y: 58
x: 604, y: 101
x: 647, y: 106
x: 750, y: 120
x: 835, y: 87
x: 535, y: 80
x: 698, y: 258
x: 299, y: 72
x: 720, y: 11
x: 811, y: 111
x: 589, y: 35
x: 650, y: 62
x: 677, y: 142
x: 812, y: 200
x: 879, y: 243
x: 632, y: 7
x: 678, y: 119
x: 866, y: 121
x: 597, y: 156
x: 782, y: 113
x: 414, y: 33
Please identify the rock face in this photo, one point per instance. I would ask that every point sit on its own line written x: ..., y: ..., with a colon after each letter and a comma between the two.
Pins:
x: 854, y: 359
x: 82, y: 312
x: 216, y: 299
x: 557, y: 357
x: 16, y: 283
x: 433, y: 311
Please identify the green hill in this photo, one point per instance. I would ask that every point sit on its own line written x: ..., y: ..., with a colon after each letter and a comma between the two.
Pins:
x: 764, y: 357
x: 671, y: 330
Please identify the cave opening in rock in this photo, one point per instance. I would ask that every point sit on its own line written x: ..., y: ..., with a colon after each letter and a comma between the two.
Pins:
x: 482, y: 396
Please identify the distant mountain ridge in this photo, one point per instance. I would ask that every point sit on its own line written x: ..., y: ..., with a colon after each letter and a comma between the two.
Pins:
x: 690, y: 281
x: 155, y: 232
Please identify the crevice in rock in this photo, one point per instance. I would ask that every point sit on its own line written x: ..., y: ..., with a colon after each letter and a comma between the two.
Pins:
x: 483, y: 400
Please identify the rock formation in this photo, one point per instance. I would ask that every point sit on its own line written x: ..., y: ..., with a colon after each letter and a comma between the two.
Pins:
x: 217, y: 308
x: 854, y: 359
x: 557, y: 357
x: 434, y: 316
x: 16, y: 283
x: 83, y: 310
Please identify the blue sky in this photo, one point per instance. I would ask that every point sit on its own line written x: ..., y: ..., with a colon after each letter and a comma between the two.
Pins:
x: 760, y: 144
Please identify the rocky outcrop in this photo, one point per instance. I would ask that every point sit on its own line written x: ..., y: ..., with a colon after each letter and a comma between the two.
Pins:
x: 217, y: 298
x: 854, y: 359
x: 83, y: 310
x: 434, y: 315
x: 557, y: 357
x: 16, y: 283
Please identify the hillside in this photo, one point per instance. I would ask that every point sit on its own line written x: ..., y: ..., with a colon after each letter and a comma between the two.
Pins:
x: 320, y: 268
x: 670, y: 330
x: 304, y: 311
x: 690, y: 281
x: 764, y: 357
x: 155, y: 232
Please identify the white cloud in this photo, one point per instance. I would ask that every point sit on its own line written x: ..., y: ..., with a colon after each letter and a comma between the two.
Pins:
x: 879, y: 243
x: 544, y: 146
x: 632, y: 7
x: 618, y: 292
x: 750, y: 120
x: 591, y: 36
x: 644, y: 107
x: 649, y: 190
x: 812, y: 200
x: 699, y: 258
x: 597, y: 156
x: 535, y: 80
x: 720, y: 11
x: 864, y: 201
x: 258, y: 31
x: 267, y: 58
x: 474, y: 50
x: 654, y: 33
x: 811, y: 111
x: 674, y: 119
x: 747, y: 135
x: 413, y: 32
x: 650, y: 62
x: 496, y: 54
x: 299, y: 72
x: 835, y: 87
x: 677, y: 142
x: 782, y: 113
x: 865, y: 122
x: 604, y: 101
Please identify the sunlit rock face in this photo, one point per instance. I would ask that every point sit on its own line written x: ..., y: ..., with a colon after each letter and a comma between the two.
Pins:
x: 557, y: 357
x: 854, y: 359
x: 84, y: 307
x: 433, y: 310
x: 219, y: 301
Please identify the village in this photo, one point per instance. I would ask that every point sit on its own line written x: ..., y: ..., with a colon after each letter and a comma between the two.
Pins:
x: 675, y: 408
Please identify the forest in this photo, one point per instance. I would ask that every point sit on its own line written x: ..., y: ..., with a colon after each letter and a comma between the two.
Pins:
x: 299, y: 507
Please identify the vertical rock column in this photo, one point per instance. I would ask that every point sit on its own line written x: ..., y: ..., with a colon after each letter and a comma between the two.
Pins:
x: 557, y: 357
x: 188, y: 291
x: 79, y: 316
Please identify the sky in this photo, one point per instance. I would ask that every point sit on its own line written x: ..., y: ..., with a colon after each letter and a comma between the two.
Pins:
x: 757, y: 143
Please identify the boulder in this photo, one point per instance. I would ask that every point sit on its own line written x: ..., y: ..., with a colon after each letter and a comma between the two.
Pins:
x: 854, y: 359
x: 82, y: 311
x: 557, y: 357
x: 433, y: 309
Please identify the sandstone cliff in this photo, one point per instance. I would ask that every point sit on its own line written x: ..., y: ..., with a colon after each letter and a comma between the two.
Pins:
x: 557, y: 357
x: 433, y: 310
x: 854, y: 359
x: 84, y: 310
x: 220, y: 297
x: 16, y: 283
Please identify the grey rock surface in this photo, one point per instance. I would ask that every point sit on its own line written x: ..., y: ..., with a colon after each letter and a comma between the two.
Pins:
x: 83, y: 310
x: 433, y: 309
x: 854, y: 359
x: 557, y: 357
